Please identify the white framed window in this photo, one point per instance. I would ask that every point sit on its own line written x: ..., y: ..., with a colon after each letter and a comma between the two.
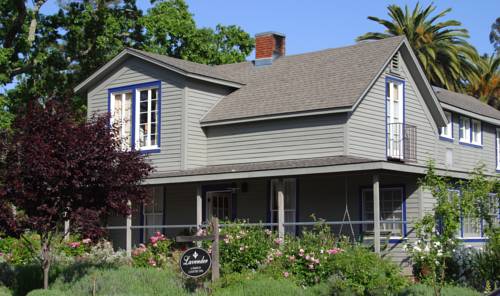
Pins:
x: 476, y: 132
x: 472, y: 227
x: 498, y: 148
x: 146, y: 118
x: 464, y: 129
x: 121, y: 116
x: 394, y: 120
x: 153, y: 211
x: 290, y: 194
x: 447, y: 131
x: 391, y: 210
x: 219, y: 204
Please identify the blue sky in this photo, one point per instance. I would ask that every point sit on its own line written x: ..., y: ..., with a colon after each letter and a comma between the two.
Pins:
x: 315, y: 25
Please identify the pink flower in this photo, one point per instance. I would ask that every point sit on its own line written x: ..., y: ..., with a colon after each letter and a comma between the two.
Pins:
x: 334, y: 251
x: 86, y: 241
x: 286, y: 274
x: 152, y: 262
x: 301, y: 252
x: 74, y: 245
x: 316, y: 261
x: 278, y: 241
x: 291, y: 258
x: 308, y: 257
x: 278, y: 253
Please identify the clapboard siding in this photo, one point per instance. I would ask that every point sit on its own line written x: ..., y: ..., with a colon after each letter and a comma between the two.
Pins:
x: 276, y: 140
x: 134, y: 71
x: 200, y: 97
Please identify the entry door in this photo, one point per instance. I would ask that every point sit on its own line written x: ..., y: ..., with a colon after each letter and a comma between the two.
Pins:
x: 394, y: 111
x: 219, y: 204
x: 290, y: 194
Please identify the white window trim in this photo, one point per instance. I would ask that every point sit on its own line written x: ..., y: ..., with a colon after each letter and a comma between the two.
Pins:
x: 497, y: 148
x: 148, y: 145
x: 479, y: 141
x: 395, y: 147
x: 447, y: 131
x: 403, y: 209
x: 466, y: 131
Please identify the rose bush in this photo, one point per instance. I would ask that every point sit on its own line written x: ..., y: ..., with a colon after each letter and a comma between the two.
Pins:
x: 153, y: 254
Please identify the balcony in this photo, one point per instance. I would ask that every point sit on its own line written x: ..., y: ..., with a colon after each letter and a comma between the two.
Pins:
x: 402, y: 142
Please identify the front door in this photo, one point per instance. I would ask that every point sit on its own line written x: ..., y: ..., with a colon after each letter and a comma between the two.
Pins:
x: 219, y: 204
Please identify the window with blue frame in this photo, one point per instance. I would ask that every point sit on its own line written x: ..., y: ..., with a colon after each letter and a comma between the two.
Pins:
x: 447, y: 131
x: 135, y: 110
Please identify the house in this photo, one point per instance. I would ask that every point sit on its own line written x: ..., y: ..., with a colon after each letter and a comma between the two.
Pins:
x: 277, y: 139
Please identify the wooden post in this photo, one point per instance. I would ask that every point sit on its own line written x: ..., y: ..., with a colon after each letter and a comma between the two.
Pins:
x: 281, y: 210
x: 376, y: 213
x: 199, y: 211
x: 215, y: 250
x: 66, y: 230
x: 128, y: 231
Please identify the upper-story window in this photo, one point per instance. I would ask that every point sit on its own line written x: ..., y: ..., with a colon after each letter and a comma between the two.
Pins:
x: 135, y: 110
x: 447, y: 131
x: 394, y: 118
x: 498, y: 148
x: 470, y: 131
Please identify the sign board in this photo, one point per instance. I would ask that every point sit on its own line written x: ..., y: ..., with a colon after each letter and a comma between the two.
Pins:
x: 195, y: 262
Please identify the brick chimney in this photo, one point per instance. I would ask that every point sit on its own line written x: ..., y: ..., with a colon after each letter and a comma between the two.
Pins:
x: 268, y: 47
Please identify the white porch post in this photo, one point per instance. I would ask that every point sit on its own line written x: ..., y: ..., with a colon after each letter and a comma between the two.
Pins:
x: 376, y: 213
x: 66, y: 230
x: 128, y: 231
x: 199, y: 207
x: 281, y: 210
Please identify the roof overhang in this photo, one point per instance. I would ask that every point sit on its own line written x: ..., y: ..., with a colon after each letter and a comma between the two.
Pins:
x: 342, y: 168
x: 467, y: 113
x: 127, y: 53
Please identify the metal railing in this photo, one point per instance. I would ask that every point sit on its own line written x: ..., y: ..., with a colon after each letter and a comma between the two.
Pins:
x: 402, y: 142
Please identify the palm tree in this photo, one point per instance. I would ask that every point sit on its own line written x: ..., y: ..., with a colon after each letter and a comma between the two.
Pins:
x: 441, y: 47
x: 486, y: 86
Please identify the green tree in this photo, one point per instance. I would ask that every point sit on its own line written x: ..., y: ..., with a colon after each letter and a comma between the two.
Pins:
x: 440, y: 46
x: 495, y: 35
x: 47, y: 55
x: 486, y: 84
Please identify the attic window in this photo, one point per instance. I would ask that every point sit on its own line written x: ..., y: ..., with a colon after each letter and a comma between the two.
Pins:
x: 395, y: 66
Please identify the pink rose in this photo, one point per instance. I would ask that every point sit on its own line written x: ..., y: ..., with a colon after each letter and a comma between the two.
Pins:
x: 152, y: 262
x: 278, y: 241
x: 86, y: 241
x: 74, y: 245
x: 286, y: 274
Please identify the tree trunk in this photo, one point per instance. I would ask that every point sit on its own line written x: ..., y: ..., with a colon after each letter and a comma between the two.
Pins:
x: 46, y: 260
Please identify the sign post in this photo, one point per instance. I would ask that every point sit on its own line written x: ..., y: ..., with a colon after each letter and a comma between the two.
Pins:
x: 196, y: 262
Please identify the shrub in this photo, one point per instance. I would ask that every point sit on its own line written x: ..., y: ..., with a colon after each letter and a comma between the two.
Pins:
x: 42, y: 292
x: 4, y: 291
x: 16, y: 251
x: 244, y: 247
x: 424, y: 290
x: 251, y: 284
x: 123, y: 281
x: 154, y: 254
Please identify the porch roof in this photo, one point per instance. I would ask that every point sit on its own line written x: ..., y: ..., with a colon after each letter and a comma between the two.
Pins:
x: 292, y: 167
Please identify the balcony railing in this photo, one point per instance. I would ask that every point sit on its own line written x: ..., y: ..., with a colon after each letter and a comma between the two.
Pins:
x: 402, y: 142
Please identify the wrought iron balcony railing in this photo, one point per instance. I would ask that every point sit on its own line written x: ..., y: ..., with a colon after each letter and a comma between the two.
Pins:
x: 402, y: 142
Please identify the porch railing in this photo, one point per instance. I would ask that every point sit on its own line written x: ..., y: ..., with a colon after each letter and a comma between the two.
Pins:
x: 402, y: 142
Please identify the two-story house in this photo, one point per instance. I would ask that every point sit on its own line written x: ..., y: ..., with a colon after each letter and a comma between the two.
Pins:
x: 340, y: 131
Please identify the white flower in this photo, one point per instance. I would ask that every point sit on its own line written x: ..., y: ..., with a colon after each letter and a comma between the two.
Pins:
x: 417, y: 248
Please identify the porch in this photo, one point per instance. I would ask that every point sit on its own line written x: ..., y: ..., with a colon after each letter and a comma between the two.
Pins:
x: 376, y: 206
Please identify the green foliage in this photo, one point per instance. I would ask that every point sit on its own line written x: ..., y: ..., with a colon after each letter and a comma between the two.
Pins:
x: 17, y: 251
x: 4, y: 291
x: 42, y: 292
x: 244, y: 247
x: 123, y: 281
x: 440, y: 45
x: 423, y: 290
x: 252, y: 284
x: 154, y: 254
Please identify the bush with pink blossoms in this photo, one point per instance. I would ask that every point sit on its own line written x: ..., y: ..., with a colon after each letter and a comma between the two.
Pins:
x: 153, y: 254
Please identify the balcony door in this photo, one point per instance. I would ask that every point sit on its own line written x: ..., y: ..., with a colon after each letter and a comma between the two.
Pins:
x: 394, y: 120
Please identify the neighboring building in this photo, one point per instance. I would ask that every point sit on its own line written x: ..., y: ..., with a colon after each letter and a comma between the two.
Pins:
x: 336, y: 129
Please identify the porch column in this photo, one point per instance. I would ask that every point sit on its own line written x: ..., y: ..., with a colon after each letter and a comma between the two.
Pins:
x: 199, y: 207
x: 66, y: 229
x: 128, y: 231
x: 281, y: 210
x: 376, y: 213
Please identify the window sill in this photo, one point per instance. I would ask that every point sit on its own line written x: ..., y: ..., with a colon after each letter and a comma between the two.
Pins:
x: 149, y: 150
x: 443, y: 138
x: 473, y: 239
x: 471, y: 144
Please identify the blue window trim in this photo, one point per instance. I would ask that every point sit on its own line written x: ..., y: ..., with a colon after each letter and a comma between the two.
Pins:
x: 403, y: 82
x: 443, y: 138
x: 132, y: 88
x: 470, y: 144
x: 497, y: 168
x: 403, y: 187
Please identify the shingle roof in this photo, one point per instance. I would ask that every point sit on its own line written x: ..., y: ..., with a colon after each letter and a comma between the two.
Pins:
x: 322, y: 80
x: 267, y: 165
x: 190, y: 67
x: 465, y: 102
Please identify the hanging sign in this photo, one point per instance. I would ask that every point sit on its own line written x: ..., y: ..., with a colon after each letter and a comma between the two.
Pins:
x: 195, y: 262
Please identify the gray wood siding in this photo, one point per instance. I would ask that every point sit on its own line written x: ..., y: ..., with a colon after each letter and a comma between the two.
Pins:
x: 134, y: 71
x: 200, y: 98
x: 276, y: 140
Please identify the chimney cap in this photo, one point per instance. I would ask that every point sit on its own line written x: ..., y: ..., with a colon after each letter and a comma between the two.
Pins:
x: 270, y: 33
